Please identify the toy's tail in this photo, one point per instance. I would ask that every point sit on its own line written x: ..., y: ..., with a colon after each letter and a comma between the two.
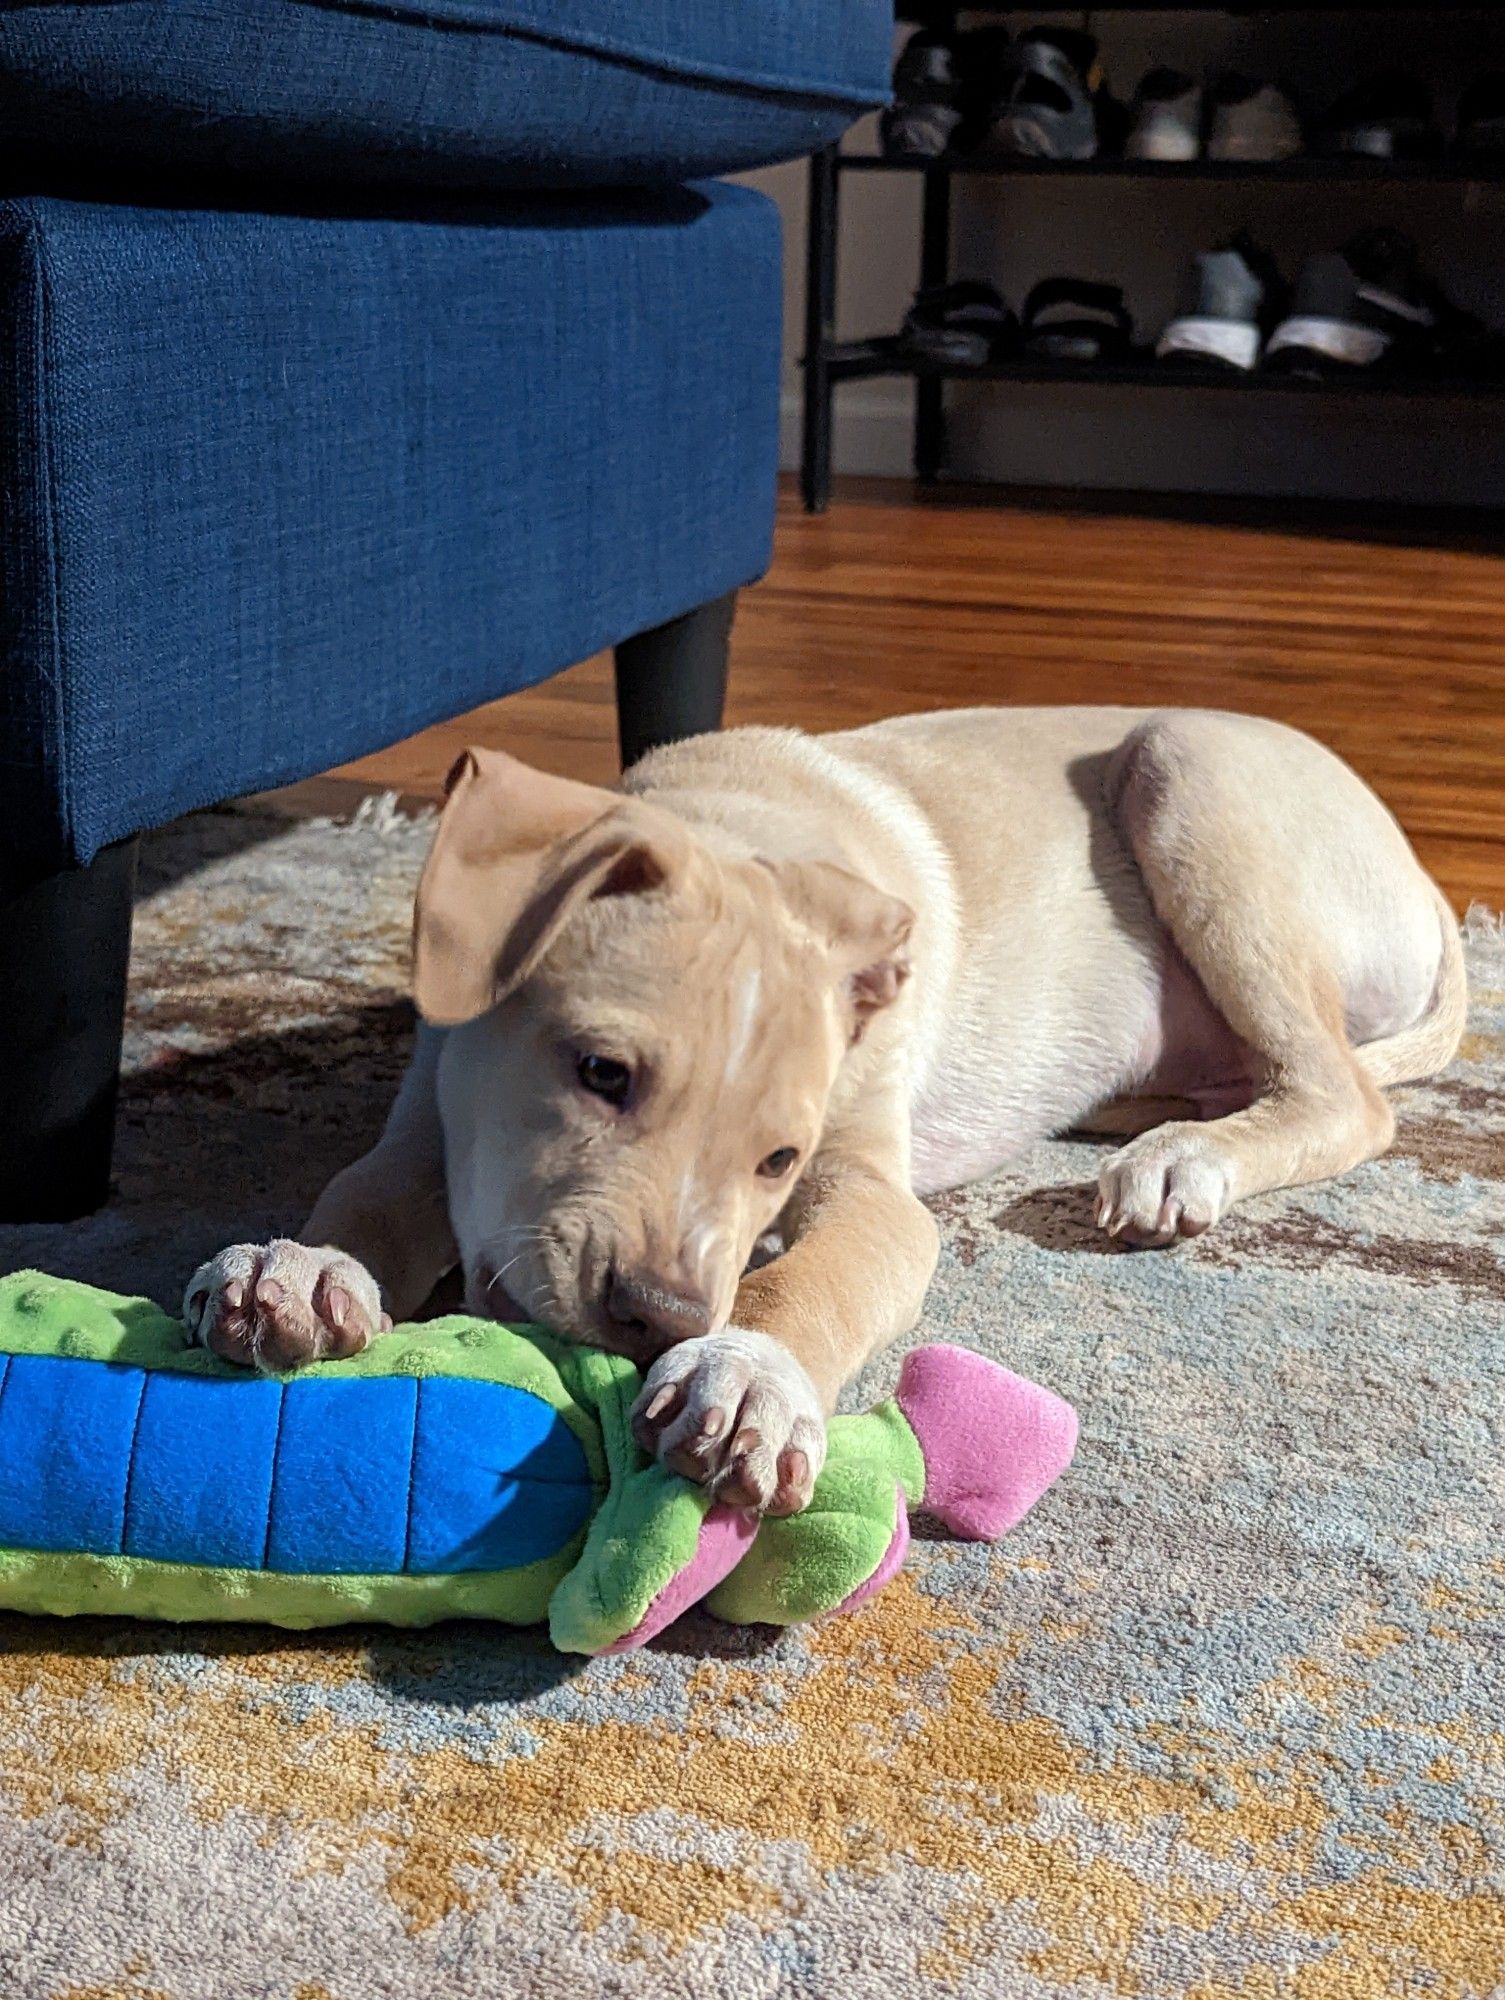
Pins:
x: 992, y: 1441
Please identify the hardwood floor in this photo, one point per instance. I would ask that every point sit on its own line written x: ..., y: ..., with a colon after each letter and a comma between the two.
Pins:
x: 1391, y: 652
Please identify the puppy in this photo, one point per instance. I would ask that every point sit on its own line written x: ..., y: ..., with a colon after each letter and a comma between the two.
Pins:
x: 789, y: 982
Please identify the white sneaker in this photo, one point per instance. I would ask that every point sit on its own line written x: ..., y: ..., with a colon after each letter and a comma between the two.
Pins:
x: 1356, y: 307
x: 1224, y: 308
x: 1166, y: 118
x: 1252, y: 122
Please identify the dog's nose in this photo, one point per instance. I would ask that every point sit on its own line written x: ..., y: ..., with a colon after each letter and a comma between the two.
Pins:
x: 640, y: 1301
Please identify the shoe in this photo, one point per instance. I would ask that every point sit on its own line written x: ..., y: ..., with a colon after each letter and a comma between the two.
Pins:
x: 1481, y: 118
x: 1073, y: 319
x: 1232, y: 299
x: 1045, y: 105
x: 922, y: 121
x: 1387, y: 118
x: 1252, y: 122
x: 1165, y: 119
x: 960, y: 325
x: 1365, y: 305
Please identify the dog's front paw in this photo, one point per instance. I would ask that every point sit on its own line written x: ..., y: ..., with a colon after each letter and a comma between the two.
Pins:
x: 278, y: 1305
x: 736, y: 1412
x: 1166, y: 1184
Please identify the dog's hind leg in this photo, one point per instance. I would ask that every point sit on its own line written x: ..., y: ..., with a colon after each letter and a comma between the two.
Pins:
x: 1296, y: 901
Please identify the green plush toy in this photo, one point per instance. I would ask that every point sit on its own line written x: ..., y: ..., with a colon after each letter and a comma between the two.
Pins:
x: 454, y: 1469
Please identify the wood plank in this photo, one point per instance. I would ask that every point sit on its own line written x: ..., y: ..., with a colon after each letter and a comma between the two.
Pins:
x: 1392, y: 653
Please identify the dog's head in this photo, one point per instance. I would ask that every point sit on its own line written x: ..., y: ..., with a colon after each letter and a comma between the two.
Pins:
x: 644, y: 1037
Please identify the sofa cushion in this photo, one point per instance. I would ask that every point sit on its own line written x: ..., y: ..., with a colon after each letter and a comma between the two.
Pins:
x: 277, y: 489
x: 478, y: 93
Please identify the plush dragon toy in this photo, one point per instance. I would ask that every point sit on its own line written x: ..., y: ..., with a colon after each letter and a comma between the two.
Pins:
x: 457, y: 1469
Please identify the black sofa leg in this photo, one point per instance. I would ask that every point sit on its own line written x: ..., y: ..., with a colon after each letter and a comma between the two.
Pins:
x: 65, y: 942
x: 671, y: 682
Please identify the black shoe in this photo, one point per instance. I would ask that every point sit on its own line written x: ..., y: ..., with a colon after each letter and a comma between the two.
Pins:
x: 1387, y: 118
x: 1481, y: 118
x: 1232, y: 299
x: 1369, y: 306
x: 961, y: 325
x: 922, y: 121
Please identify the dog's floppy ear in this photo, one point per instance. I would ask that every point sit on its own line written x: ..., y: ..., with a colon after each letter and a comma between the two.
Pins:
x: 867, y: 930
x: 515, y: 853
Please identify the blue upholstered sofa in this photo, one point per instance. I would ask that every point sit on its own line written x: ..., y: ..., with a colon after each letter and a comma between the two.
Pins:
x: 362, y: 361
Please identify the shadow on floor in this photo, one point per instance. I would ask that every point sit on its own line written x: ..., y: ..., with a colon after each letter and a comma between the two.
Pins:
x: 174, y: 853
x: 230, y: 1145
x: 1462, y: 530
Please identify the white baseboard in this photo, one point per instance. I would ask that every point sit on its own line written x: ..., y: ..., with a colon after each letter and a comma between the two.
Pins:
x: 874, y: 430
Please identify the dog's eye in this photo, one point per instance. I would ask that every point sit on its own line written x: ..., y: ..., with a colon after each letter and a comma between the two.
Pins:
x: 604, y: 1076
x: 778, y: 1163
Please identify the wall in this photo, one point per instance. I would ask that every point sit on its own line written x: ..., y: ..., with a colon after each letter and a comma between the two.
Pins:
x: 1141, y: 234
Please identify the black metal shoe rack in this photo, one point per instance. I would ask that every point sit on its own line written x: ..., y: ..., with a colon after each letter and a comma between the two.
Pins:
x: 829, y: 362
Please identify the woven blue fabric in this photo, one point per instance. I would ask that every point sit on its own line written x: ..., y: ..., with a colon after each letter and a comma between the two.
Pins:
x: 477, y: 93
x: 278, y: 489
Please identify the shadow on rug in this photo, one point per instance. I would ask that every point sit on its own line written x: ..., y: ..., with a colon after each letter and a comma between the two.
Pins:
x: 1222, y: 1718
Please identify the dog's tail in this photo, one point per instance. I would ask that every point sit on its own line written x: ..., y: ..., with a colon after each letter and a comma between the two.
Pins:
x: 1429, y: 1044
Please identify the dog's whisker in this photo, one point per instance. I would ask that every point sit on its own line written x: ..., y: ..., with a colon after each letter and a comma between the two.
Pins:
x: 497, y: 1276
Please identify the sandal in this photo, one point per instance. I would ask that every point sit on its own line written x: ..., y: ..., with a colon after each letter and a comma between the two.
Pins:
x: 961, y: 325
x: 1045, y: 106
x: 1072, y: 319
x: 921, y: 122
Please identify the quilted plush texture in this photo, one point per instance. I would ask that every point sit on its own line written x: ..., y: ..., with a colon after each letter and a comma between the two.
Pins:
x: 276, y: 489
x: 329, y: 1477
x: 456, y: 1450
x: 452, y: 1473
x: 451, y: 93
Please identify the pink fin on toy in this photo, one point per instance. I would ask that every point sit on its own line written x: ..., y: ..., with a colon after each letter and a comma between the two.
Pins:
x: 888, y: 1569
x: 726, y: 1534
x: 992, y: 1441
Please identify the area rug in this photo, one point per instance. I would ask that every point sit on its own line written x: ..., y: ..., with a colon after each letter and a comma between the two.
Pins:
x: 1224, y: 1717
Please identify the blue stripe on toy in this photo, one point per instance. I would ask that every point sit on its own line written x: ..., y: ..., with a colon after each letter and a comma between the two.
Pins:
x: 370, y: 1476
x: 491, y: 1488
x: 201, y: 1472
x: 340, y: 1491
x: 70, y: 1443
